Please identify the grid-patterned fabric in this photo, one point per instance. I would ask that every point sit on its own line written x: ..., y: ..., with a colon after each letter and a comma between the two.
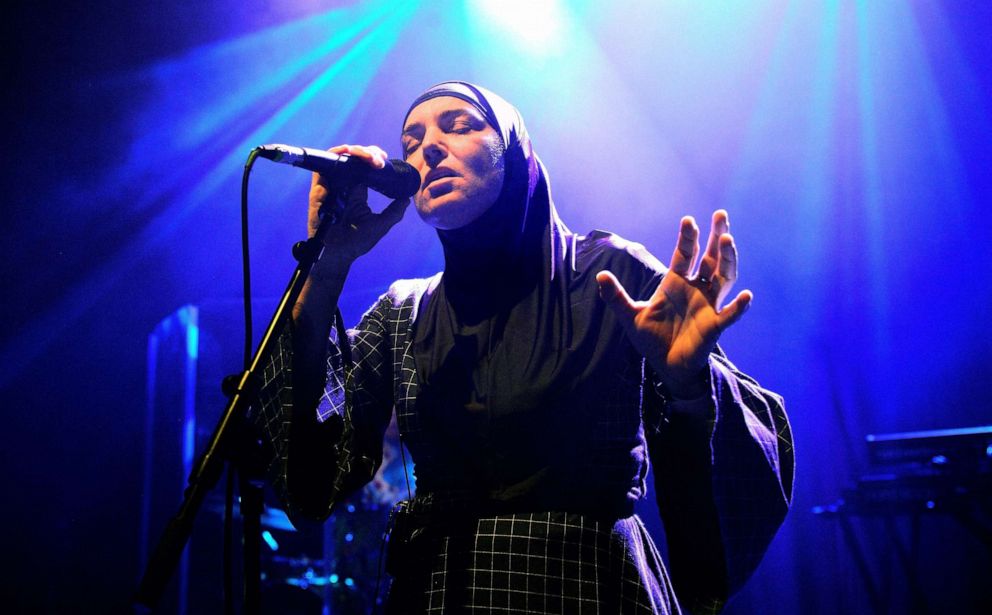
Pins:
x: 551, y: 562
x: 271, y: 415
x: 562, y: 560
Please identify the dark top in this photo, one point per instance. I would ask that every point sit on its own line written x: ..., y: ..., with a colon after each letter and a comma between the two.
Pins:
x: 580, y: 447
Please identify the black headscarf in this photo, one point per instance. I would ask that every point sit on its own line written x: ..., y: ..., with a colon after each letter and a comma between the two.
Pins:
x: 501, y: 340
x: 523, y: 217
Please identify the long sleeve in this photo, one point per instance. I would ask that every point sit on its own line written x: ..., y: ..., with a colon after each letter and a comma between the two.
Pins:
x: 723, y: 475
x: 324, y: 443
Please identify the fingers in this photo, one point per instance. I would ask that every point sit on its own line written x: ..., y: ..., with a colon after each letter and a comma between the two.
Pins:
x: 356, y: 195
x: 727, y: 262
x: 350, y: 204
x: 392, y: 214
x: 362, y: 219
x: 355, y: 228
x: 360, y: 229
x: 733, y: 311
x: 615, y: 296
x: 323, y: 191
x: 718, y: 265
x: 722, y: 280
x: 719, y: 225
x: 319, y: 195
x: 395, y: 210
x: 372, y: 154
x: 686, y: 248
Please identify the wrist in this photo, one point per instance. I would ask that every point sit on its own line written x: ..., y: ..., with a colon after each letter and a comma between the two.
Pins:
x: 321, y: 292
x: 687, y: 386
x: 330, y: 271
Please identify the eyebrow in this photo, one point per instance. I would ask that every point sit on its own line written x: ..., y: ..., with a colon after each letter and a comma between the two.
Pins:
x: 444, y: 116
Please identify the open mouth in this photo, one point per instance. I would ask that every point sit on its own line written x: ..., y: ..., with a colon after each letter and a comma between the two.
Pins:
x: 436, y: 174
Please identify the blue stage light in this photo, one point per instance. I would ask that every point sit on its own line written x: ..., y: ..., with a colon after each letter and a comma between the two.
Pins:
x: 270, y: 540
x: 540, y: 33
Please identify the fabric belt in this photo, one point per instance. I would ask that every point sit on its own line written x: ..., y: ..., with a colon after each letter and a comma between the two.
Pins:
x: 433, y: 508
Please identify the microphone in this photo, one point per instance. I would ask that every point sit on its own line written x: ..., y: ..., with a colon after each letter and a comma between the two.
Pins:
x: 397, y: 179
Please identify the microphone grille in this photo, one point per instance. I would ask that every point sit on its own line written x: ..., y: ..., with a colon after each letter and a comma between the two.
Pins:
x: 407, y: 180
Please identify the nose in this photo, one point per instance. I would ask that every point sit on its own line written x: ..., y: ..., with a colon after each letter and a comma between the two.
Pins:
x: 434, y: 148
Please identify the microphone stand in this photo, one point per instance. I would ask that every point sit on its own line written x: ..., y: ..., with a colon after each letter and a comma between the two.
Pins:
x: 227, y: 443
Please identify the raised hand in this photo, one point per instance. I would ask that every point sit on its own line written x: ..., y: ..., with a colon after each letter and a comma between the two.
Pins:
x: 359, y: 229
x: 678, y: 327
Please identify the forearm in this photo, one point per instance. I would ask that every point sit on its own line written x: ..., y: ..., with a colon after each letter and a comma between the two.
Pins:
x: 316, y: 434
x: 313, y: 316
x: 723, y: 473
x: 312, y: 456
x: 684, y: 484
x: 753, y: 467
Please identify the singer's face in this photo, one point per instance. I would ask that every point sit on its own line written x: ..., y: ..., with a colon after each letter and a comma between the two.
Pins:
x: 460, y: 160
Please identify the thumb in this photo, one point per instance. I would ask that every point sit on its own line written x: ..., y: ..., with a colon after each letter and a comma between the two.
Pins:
x: 395, y: 210
x: 356, y: 195
x: 613, y: 293
x: 733, y: 311
x: 391, y: 215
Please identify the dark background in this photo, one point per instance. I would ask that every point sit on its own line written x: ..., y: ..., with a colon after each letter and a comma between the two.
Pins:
x: 849, y: 140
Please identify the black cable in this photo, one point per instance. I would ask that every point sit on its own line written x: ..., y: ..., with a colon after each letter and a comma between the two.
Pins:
x: 376, y: 600
x: 406, y: 471
x: 229, y: 543
x: 343, y: 344
x: 387, y: 533
x: 245, y: 260
x: 229, y: 493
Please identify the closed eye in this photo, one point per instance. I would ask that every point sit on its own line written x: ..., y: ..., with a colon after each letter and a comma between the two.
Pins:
x: 410, y: 146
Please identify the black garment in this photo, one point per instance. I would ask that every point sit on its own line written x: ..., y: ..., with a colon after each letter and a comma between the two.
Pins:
x: 723, y: 480
x: 520, y: 423
x: 529, y: 415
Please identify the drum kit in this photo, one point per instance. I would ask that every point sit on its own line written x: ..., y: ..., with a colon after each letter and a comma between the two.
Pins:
x: 340, y: 568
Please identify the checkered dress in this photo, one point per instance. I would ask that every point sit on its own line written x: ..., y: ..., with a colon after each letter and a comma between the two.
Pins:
x: 723, y: 481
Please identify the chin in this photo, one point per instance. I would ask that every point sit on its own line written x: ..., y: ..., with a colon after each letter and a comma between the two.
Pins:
x: 440, y: 220
x: 446, y: 212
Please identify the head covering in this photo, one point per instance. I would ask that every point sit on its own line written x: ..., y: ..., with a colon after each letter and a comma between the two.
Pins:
x: 492, y: 338
x: 524, y: 205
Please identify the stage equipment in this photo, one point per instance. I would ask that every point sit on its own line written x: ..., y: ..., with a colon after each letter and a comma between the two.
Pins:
x: 397, y: 180
x: 942, y: 472
x: 233, y: 440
